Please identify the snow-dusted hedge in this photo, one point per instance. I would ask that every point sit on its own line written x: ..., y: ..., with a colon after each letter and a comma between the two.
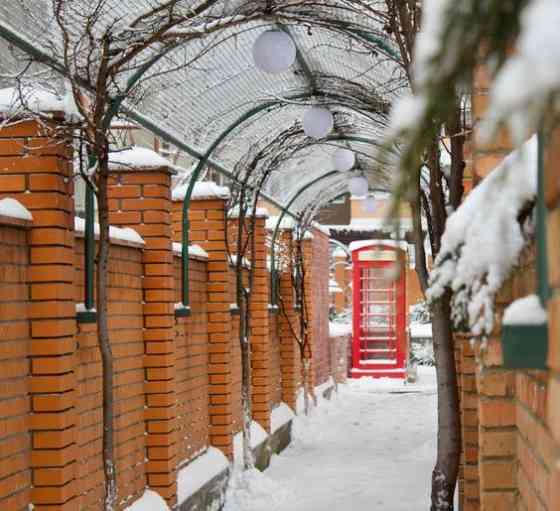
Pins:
x: 483, y: 241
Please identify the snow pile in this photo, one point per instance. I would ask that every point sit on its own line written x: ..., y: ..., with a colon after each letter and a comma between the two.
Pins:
x: 115, y: 233
x: 199, y: 472
x: 255, y: 491
x: 36, y: 99
x: 339, y: 329
x: 483, y: 240
x: 14, y: 209
x: 537, y: 57
x: 281, y: 415
x: 525, y: 311
x: 150, y: 501
x: 194, y: 250
x: 137, y: 158
x: 202, y: 190
x: 258, y: 436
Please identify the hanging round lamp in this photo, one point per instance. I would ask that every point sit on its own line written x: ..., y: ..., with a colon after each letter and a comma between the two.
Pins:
x: 318, y: 122
x: 358, y: 186
x: 274, y: 52
x: 344, y: 160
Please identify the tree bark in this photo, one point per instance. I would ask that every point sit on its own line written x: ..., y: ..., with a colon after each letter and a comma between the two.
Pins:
x: 103, y: 336
x: 444, y: 476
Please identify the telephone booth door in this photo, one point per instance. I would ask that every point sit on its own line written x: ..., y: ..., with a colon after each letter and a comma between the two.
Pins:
x: 379, y: 344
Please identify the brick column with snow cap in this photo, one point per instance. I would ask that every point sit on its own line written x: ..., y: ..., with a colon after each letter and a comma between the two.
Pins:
x: 208, y: 229
x: 260, y: 328
x: 140, y: 198
x: 288, y: 319
x: 36, y: 170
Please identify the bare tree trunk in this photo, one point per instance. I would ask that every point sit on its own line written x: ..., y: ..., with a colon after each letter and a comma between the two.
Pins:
x: 248, y: 461
x: 103, y: 337
x: 444, y: 476
x: 305, y: 377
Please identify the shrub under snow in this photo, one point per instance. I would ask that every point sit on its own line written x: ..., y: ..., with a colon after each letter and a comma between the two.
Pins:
x: 483, y: 241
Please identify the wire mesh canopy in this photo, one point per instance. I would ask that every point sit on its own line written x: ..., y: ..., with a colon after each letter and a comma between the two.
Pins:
x: 204, y: 86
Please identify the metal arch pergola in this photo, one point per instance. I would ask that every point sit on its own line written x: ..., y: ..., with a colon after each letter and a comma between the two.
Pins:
x: 205, y: 158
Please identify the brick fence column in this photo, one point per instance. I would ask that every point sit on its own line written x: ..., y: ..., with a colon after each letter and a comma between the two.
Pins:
x: 36, y: 170
x: 552, y: 195
x: 208, y: 229
x: 341, y: 261
x: 142, y: 199
x: 497, y: 457
x: 260, y: 330
x: 485, y: 157
x: 469, y: 425
x: 311, y: 306
x: 289, y: 351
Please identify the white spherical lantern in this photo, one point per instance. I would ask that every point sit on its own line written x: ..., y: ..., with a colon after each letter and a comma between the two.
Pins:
x: 370, y: 205
x: 358, y: 186
x: 344, y: 160
x: 274, y: 52
x: 318, y: 122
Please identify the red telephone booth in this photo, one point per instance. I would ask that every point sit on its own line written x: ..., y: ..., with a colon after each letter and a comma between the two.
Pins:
x: 379, y: 345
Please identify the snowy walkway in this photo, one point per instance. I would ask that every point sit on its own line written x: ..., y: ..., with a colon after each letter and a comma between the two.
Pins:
x: 371, y: 449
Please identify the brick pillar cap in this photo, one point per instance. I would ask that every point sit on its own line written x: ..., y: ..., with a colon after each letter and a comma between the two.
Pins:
x: 139, y: 159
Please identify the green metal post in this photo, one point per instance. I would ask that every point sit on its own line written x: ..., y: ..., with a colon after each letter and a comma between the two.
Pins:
x: 542, y: 242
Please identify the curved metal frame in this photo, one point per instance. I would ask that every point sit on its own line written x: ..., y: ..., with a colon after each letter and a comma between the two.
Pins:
x: 185, y: 300
x: 20, y: 42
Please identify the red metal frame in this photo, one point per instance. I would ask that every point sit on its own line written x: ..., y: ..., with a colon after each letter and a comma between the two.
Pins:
x: 363, y: 362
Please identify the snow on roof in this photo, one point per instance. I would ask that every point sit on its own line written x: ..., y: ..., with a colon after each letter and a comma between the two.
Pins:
x: 115, y: 233
x: 35, y: 99
x: 322, y: 228
x: 483, y: 240
x: 149, y: 501
x: 202, y: 190
x: 199, y: 472
x: 14, y: 209
x: 137, y: 158
x: 525, y: 311
x: 194, y: 250
x: 357, y: 245
x: 372, y: 224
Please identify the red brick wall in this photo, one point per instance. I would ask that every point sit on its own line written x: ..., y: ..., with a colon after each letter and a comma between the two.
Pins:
x: 320, y: 306
x: 192, y: 364
x: 15, y: 439
x: 276, y: 360
x: 125, y: 324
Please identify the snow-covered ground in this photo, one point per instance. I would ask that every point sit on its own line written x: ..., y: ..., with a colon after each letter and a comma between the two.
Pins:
x: 372, y: 448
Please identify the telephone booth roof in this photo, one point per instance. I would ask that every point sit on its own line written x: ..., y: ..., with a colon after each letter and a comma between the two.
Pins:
x: 359, y: 245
